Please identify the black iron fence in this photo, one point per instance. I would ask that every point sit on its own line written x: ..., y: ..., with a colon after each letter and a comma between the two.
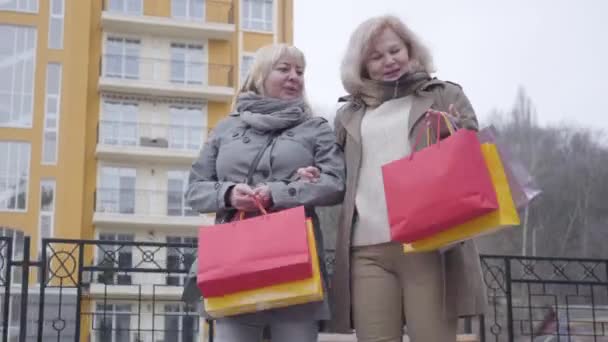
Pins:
x: 122, y: 290
x: 545, y: 299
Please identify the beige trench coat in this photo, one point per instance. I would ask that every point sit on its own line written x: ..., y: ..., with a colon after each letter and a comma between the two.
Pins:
x: 465, y: 291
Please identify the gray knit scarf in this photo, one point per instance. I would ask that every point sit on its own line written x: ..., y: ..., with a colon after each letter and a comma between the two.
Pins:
x: 271, y: 114
x: 374, y: 93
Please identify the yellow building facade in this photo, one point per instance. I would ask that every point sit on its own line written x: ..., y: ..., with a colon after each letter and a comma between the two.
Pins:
x: 111, y: 89
x: 104, y: 104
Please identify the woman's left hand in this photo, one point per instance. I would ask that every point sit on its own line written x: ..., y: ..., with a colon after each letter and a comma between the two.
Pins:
x: 309, y: 174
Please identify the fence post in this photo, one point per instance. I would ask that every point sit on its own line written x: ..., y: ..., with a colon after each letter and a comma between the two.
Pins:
x: 42, y: 269
x: 25, y: 278
x: 509, y: 299
x: 7, y: 288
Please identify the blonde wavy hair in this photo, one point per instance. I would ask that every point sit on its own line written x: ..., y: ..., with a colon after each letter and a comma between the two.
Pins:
x: 265, y: 59
x: 353, y: 70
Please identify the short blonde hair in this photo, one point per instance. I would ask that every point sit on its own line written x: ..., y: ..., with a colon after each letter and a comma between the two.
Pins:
x: 265, y: 59
x: 353, y: 69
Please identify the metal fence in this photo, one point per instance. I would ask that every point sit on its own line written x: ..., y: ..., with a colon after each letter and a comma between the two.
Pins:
x: 545, y: 299
x: 97, y: 290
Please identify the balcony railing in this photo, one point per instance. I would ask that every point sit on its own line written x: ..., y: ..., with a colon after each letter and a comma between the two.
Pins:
x: 129, y: 133
x: 142, y: 202
x: 214, y: 11
x: 165, y: 72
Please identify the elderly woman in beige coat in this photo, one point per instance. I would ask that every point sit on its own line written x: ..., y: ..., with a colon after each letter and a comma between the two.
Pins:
x: 386, y: 71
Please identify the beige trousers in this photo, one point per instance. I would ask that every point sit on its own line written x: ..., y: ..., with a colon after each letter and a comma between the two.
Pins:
x: 388, y: 286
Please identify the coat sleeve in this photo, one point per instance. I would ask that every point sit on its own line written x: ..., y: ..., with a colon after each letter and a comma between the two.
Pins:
x: 340, y: 131
x: 205, y: 193
x: 328, y: 190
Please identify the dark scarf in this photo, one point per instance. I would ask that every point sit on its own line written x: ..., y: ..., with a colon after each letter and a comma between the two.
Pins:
x: 374, y: 93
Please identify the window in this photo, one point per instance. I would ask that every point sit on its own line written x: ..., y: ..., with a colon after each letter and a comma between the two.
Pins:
x: 122, y: 58
x: 113, y: 323
x: 14, y: 317
x: 52, y: 113
x: 188, y: 9
x: 187, y: 63
x: 14, y: 175
x: 186, y: 130
x: 119, y: 123
x: 176, y: 188
x: 246, y: 64
x: 116, y: 257
x: 130, y: 7
x: 47, y: 209
x: 17, y: 56
x: 17, y: 239
x: 257, y: 15
x: 19, y: 5
x: 180, y: 258
x: 56, y: 24
x: 181, y: 323
x: 116, y: 192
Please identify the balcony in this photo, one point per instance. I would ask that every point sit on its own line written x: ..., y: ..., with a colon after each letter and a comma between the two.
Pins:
x: 215, y: 21
x: 146, y: 210
x: 166, y: 78
x: 120, y: 141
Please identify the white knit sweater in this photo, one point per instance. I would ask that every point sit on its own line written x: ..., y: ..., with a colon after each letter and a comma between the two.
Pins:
x: 384, y: 134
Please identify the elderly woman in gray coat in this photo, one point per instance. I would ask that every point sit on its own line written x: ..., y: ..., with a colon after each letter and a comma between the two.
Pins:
x: 261, y: 151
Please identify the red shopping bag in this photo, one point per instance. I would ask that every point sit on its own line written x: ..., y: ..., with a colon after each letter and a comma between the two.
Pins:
x: 439, y: 187
x: 253, y: 253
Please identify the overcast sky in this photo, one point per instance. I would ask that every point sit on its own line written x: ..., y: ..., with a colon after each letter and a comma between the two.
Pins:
x: 556, y: 49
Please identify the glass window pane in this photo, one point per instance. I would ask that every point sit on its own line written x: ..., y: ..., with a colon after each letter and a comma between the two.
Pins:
x: 123, y: 325
x: 132, y: 66
x: 116, y: 5
x: 47, y: 196
x: 171, y: 325
x: 189, y: 328
x: 9, y: 5
x: 46, y: 223
x: 17, y: 53
x: 50, y: 147
x: 178, y: 8
x: 14, y: 175
x: 197, y: 9
x: 134, y: 7
x: 257, y: 10
x: 57, y: 7
x: 56, y: 33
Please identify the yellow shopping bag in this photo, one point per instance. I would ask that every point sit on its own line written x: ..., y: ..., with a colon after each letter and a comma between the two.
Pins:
x: 272, y: 297
x: 505, y: 216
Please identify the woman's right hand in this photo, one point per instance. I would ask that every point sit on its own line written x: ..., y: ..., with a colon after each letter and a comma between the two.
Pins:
x: 242, y: 198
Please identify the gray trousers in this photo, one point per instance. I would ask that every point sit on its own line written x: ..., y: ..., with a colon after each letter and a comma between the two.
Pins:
x: 286, y: 331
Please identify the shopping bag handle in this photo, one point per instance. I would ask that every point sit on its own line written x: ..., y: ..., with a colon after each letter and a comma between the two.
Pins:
x: 440, y: 115
x: 261, y: 208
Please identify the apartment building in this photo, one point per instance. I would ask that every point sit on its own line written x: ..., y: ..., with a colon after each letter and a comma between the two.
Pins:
x: 104, y: 104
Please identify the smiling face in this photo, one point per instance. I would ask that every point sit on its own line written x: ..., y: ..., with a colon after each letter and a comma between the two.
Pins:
x: 286, y: 79
x: 388, y: 58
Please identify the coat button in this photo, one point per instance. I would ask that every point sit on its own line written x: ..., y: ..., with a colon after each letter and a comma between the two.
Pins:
x: 291, y: 192
x: 289, y: 133
x: 246, y: 140
x: 265, y: 174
